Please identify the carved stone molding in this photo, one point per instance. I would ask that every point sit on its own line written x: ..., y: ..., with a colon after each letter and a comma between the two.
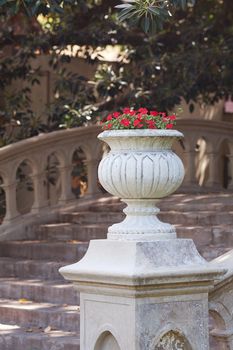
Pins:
x: 172, y: 340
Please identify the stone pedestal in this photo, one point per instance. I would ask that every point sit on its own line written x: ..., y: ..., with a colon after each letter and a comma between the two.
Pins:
x: 142, y: 288
x: 143, y: 295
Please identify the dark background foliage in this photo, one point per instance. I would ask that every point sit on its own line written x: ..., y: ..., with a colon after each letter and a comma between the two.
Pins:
x: 188, y: 56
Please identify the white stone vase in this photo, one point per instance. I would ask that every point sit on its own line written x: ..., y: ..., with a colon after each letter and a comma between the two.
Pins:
x: 141, y: 168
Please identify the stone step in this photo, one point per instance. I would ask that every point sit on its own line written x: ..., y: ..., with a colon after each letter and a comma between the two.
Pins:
x: 89, y: 217
x: 63, y: 251
x: 38, y: 291
x: 183, y: 218
x: 112, y: 207
x: 211, y: 252
x: 31, y: 314
x: 16, y: 337
x: 207, y: 198
x: 205, y: 235
x: 48, y: 270
x: 69, y: 231
x: 200, y: 234
x: 165, y: 205
x: 197, y: 218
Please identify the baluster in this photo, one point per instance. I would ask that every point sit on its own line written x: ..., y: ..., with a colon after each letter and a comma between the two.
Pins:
x: 11, y: 204
x: 40, y: 195
x: 92, y: 172
x: 190, y: 180
x: 230, y: 175
x: 214, y: 181
x: 66, y: 191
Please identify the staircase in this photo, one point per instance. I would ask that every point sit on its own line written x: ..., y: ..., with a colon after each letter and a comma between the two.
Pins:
x: 39, y: 310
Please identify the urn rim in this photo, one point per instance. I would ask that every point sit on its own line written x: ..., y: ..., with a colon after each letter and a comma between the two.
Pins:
x: 140, y: 132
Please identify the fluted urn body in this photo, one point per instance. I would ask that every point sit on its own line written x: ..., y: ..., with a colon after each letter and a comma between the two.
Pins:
x: 141, y: 168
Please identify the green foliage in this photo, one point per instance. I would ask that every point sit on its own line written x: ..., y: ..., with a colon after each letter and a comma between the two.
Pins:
x: 190, y: 58
x: 74, y: 101
x: 150, y: 14
x: 34, y: 7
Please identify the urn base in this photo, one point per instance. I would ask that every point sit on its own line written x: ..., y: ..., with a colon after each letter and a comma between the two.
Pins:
x: 141, y: 223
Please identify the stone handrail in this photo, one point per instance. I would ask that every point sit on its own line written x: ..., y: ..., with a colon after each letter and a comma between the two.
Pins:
x: 35, y: 151
x: 221, y: 303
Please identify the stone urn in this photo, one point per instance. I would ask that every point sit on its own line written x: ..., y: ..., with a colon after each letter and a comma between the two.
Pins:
x: 141, y: 168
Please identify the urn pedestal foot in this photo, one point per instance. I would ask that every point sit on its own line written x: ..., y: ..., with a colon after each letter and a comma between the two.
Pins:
x: 141, y: 223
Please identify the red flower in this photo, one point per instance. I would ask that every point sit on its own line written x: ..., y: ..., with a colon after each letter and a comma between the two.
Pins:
x: 154, y: 113
x: 138, y: 119
x: 172, y: 117
x: 132, y: 113
x: 139, y: 116
x: 126, y: 110
x: 169, y: 126
x: 143, y: 110
x: 125, y: 122
x: 137, y: 122
x: 151, y: 124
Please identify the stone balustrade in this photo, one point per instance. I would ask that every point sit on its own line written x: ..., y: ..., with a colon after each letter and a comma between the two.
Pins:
x: 221, y: 305
x: 207, y: 153
x: 34, y: 154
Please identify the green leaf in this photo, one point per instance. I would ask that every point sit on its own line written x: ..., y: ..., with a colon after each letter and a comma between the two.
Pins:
x: 123, y: 6
x: 154, y: 10
x: 34, y: 8
x: 183, y: 4
x: 126, y: 14
x: 146, y: 24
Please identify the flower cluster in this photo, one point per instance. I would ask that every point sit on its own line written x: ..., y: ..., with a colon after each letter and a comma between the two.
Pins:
x: 138, y: 119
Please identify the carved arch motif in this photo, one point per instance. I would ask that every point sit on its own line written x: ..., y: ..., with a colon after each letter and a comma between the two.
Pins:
x: 173, y: 340
x: 107, y: 341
